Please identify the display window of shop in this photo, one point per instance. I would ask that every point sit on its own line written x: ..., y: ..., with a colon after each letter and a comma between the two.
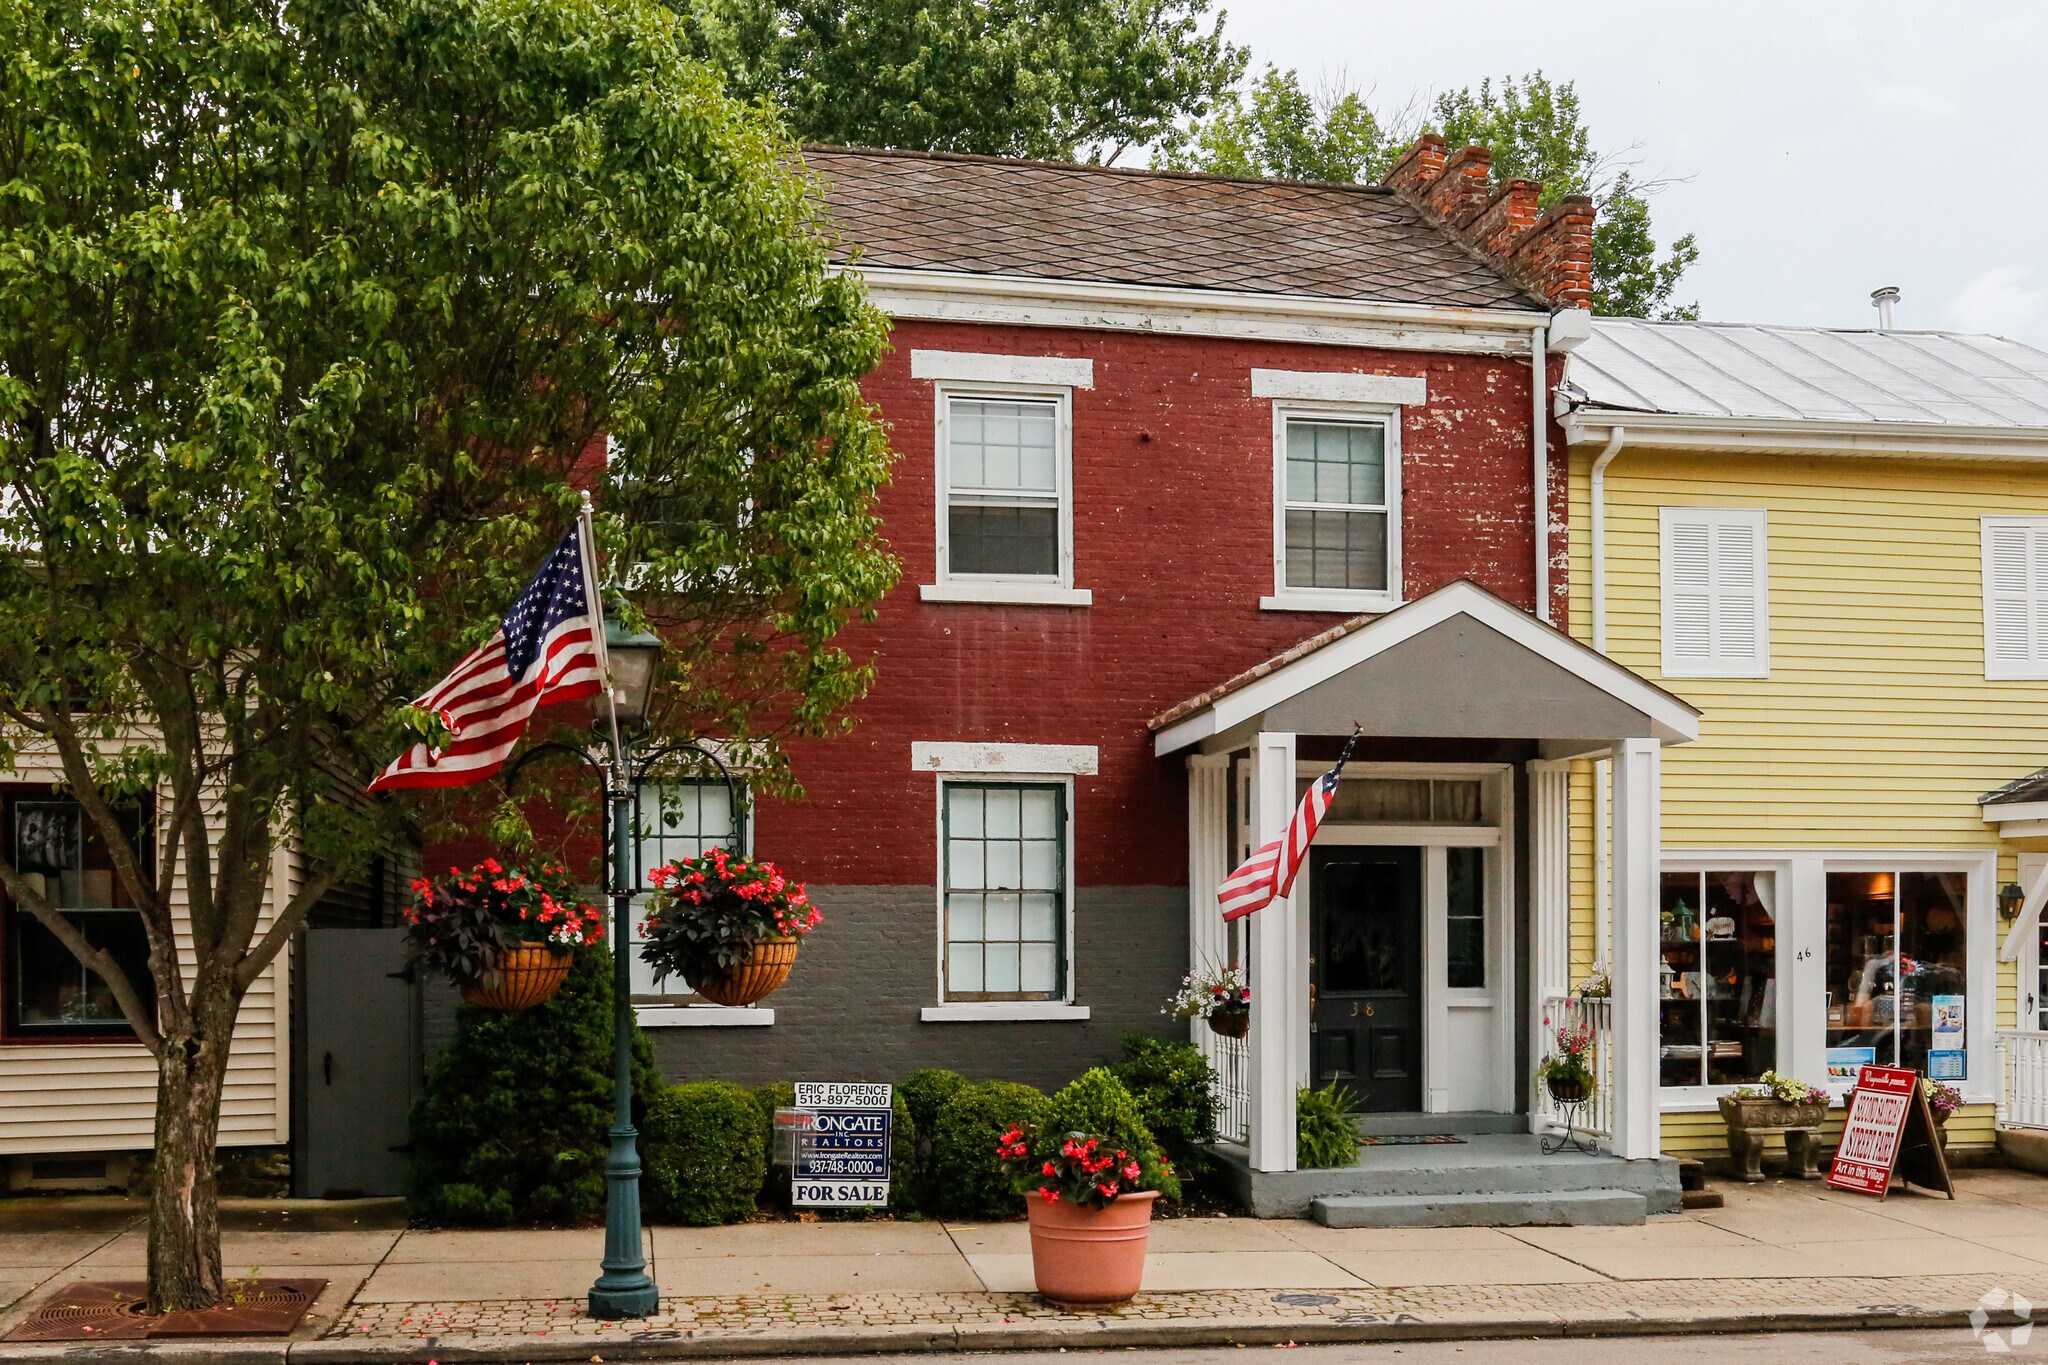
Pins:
x: 1717, y: 977
x: 46, y: 993
x: 1897, y: 977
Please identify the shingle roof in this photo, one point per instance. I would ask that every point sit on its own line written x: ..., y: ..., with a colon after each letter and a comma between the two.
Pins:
x: 1716, y: 369
x: 2034, y: 784
x: 990, y: 215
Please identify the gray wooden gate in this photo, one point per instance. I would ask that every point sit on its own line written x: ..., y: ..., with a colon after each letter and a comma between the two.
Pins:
x: 360, y: 1063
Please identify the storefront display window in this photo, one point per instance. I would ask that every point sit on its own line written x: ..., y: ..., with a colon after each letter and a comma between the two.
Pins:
x: 1896, y: 979
x: 1717, y: 989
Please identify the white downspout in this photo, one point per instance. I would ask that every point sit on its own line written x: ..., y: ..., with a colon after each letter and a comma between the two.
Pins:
x: 1603, y: 910
x: 1539, y: 407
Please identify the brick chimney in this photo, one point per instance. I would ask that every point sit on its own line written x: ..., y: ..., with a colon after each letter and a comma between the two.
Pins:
x: 1551, y: 253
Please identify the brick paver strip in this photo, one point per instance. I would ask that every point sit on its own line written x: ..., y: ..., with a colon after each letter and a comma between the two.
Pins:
x: 756, y: 1324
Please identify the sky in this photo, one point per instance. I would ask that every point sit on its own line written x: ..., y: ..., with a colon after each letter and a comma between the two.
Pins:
x: 1818, y: 150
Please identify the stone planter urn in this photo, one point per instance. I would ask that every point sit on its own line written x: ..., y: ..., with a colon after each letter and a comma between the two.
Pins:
x: 1751, y: 1121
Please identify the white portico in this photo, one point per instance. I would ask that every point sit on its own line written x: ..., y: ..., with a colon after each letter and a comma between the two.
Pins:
x: 1413, y: 960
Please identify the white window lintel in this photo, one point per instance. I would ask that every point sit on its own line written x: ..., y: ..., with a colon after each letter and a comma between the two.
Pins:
x: 1005, y: 592
x: 1001, y: 759
x: 1334, y: 386
x: 703, y: 1016
x: 975, y: 367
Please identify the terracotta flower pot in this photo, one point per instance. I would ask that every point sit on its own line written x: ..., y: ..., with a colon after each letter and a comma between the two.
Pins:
x: 1231, y: 1023
x: 1090, y: 1258
x: 759, y: 977
x: 527, y: 974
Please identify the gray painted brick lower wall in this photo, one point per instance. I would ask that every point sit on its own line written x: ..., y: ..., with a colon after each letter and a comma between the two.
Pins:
x: 850, y: 1008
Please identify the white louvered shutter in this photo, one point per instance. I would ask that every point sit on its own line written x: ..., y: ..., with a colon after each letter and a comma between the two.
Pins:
x: 1716, y: 612
x: 2015, y: 597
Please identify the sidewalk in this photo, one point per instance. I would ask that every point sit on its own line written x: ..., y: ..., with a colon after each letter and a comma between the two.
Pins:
x: 1780, y: 1254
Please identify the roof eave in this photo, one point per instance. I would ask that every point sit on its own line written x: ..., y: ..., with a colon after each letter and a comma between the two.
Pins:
x: 1591, y: 424
x: 964, y: 296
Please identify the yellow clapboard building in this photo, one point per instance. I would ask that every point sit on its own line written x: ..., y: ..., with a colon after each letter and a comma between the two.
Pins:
x: 1834, y: 544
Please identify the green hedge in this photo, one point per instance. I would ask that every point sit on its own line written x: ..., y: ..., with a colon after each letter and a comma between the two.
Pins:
x: 1174, y: 1086
x: 704, y: 1150
x: 923, y: 1093
x: 1099, y: 1105
x: 969, y: 1177
x: 513, y: 1124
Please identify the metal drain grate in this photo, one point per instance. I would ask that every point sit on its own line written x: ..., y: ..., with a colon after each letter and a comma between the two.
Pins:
x: 109, y: 1310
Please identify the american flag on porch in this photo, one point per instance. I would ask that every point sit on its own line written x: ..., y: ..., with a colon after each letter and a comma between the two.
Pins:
x: 549, y: 647
x: 1270, y: 872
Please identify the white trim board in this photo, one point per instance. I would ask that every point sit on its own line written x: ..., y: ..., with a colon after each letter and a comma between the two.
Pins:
x: 1794, y: 436
x: 976, y: 367
x: 1030, y: 301
x: 1673, y: 719
x: 973, y: 759
x: 1335, y: 386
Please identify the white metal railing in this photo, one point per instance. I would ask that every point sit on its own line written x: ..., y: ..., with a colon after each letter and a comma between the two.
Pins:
x: 1233, y: 1089
x: 1560, y: 1010
x: 2023, y: 1091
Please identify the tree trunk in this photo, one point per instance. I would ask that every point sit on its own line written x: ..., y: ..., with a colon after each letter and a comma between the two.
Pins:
x: 184, y: 1210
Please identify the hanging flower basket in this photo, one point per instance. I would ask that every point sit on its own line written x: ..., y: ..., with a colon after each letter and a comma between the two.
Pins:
x: 754, y: 980
x: 526, y: 974
x: 1231, y: 1023
x: 726, y: 924
x: 1566, y: 1089
x: 505, y: 937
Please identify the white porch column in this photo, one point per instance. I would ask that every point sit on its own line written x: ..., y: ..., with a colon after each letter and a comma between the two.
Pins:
x: 1279, y: 971
x: 1636, y: 765
x: 1208, y: 851
x: 1550, y: 877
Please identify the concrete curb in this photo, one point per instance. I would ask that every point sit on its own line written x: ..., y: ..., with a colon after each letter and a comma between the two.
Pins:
x: 1092, y: 1333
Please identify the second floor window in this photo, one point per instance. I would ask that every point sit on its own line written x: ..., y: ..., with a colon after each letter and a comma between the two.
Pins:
x: 1005, y: 488
x: 1716, y: 602
x: 1339, y: 525
x: 2015, y: 597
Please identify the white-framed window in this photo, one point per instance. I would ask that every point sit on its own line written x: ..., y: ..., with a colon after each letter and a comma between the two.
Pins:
x: 685, y: 819
x: 1717, y: 967
x: 1005, y: 878
x: 1337, y: 507
x: 2015, y: 598
x: 1004, y: 890
x: 1004, y: 472
x: 1716, y: 592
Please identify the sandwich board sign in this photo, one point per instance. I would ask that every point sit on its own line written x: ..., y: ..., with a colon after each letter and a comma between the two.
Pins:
x: 842, y: 1152
x: 1889, y: 1128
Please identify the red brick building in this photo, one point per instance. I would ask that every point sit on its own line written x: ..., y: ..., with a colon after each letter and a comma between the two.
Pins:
x: 1170, y: 446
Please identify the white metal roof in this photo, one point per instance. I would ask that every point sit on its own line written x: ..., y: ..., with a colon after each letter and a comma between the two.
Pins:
x: 1742, y: 370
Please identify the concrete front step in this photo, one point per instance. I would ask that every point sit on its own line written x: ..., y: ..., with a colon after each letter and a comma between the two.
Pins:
x: 1419, y: 1125
x: 1574, y: 1208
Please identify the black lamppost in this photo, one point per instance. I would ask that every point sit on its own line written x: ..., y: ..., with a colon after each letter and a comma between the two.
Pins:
x: 623, y: 1289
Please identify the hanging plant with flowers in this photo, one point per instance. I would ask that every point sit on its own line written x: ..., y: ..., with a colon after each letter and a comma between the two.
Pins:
x: 1222, y: 997
x: 464, y: 925
x: 709, y: 916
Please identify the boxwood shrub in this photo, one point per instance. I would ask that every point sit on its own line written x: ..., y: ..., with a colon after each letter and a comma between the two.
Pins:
x: 1097, y: 1103
x: 704, y: 1150
x: 970, y: 1180
x: 923, y: 1093
x: 1174, y: 1085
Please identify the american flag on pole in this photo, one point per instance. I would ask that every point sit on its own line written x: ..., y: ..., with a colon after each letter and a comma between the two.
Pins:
x: 549, y: 648
x: 1270, y: 872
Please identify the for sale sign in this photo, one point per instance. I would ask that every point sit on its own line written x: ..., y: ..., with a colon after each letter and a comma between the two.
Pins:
x: 1889, y: 1128
x: 842, y: 1157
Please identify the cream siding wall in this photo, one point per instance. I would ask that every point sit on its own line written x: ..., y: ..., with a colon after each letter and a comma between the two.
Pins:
x: 91, y: 1097
x: 1876, y: 728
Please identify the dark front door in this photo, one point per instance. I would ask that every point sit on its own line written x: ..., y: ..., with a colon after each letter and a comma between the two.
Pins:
x: 1366, y: 963
x: 358, y: 1064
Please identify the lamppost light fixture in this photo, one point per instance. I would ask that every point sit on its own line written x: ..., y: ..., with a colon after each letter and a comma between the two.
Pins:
x: 633, y: 657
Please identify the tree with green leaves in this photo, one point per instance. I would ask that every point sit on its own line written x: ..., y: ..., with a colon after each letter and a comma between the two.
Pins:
x: 1534, y: 127
x: 1059, y: 79
x: 308, y: 314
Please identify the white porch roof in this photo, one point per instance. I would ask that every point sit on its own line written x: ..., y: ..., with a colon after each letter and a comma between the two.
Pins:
x: 1459, y: 663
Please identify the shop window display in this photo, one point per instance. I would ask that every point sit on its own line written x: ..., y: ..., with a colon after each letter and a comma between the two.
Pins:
x: 1896, y: 978
x: 1717, y: 988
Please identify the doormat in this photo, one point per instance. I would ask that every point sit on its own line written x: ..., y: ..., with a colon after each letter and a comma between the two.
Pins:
x: 1407, y: 1139
x: 113, y: 1310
